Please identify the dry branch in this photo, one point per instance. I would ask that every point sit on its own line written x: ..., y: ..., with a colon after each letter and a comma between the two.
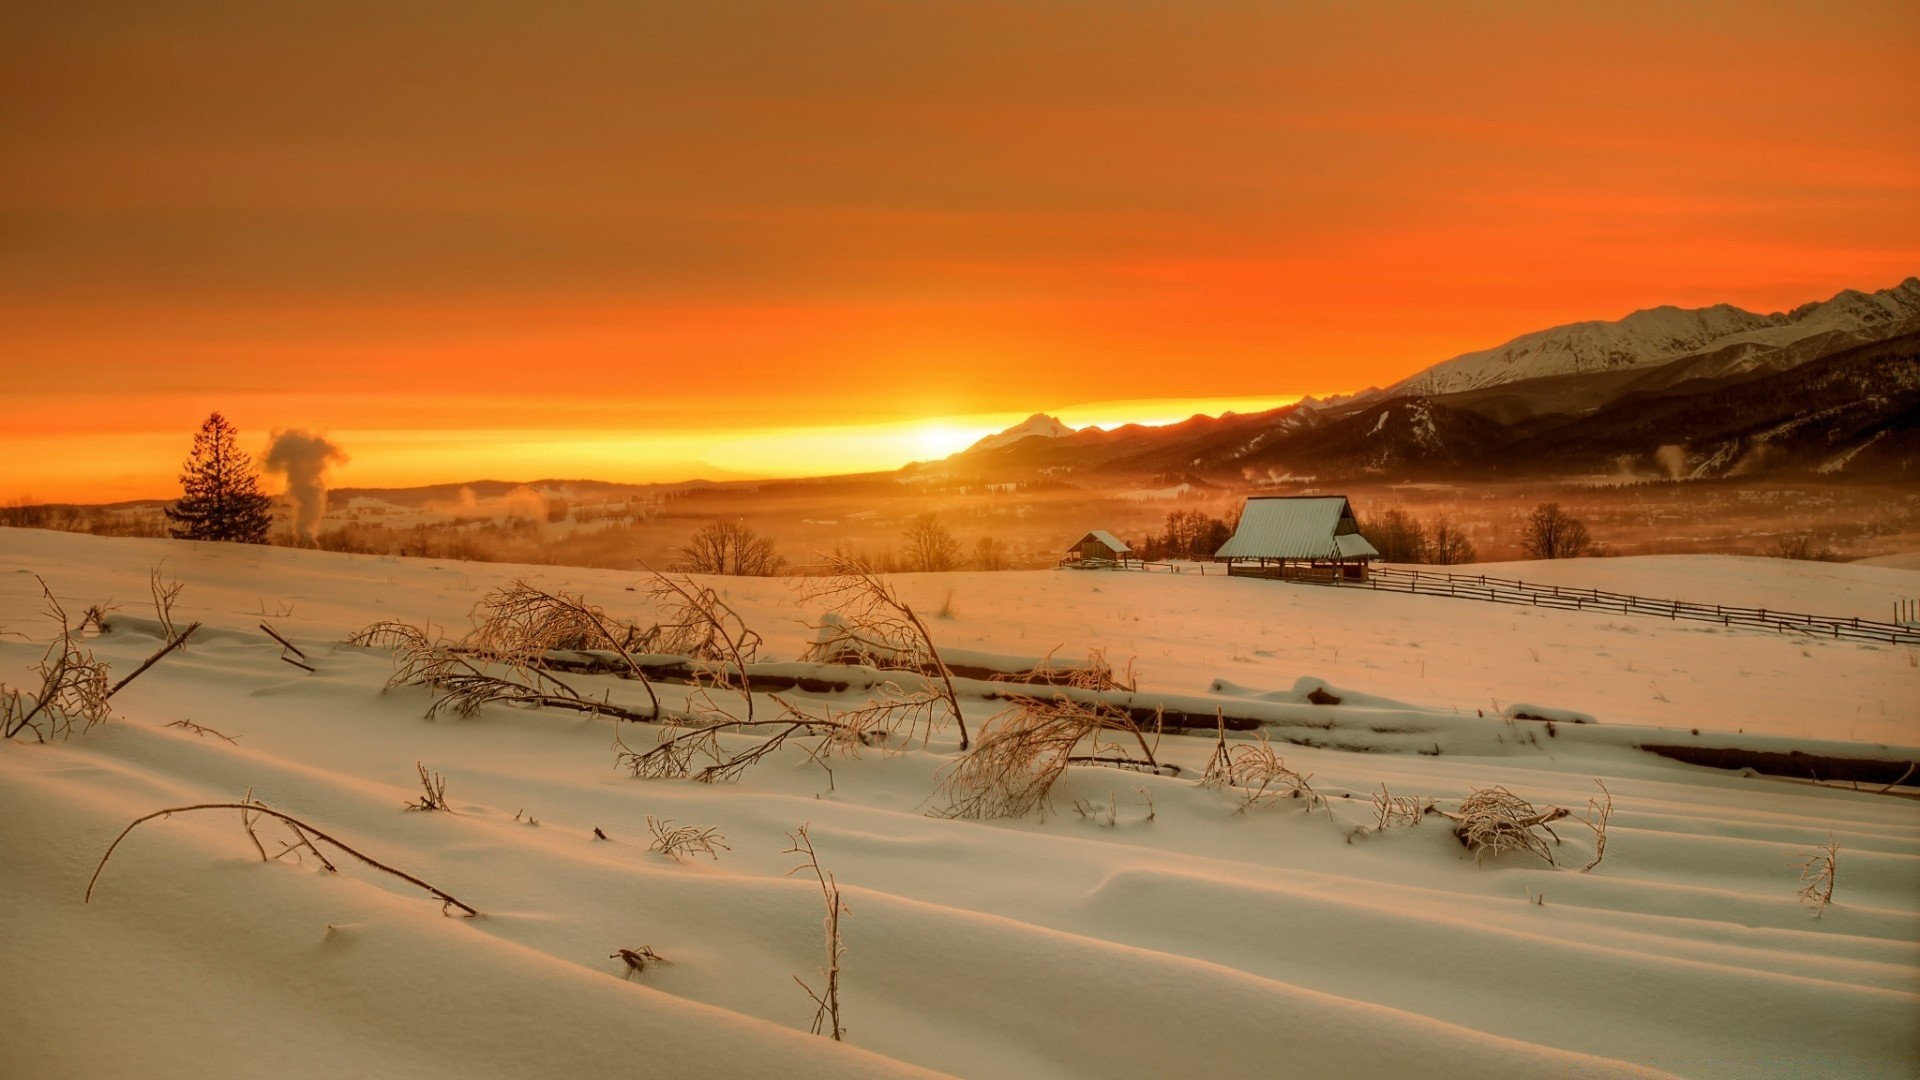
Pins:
x: 307, y: 833
x: 176, y: 642
x: 826, y: 1015
x: 638, y: 959
x: 165, y: 592
x: 203, y: 731
x: 284, y: 643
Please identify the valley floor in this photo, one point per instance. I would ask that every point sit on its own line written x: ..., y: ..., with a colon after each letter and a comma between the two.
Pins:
x: 1147, y: 926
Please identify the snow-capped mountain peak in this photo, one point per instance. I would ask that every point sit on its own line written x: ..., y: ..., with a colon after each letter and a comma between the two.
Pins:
x: 1039, y: 425
x: 1655, y: 336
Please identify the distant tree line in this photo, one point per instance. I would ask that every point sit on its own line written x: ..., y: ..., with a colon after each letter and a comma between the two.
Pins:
x: 1549, y: 532
x: 1402, y: 538
x: 1188, y: 534
x: 927, y: 547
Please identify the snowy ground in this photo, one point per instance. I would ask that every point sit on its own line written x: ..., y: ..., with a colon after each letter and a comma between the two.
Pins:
x: 1154, y: 931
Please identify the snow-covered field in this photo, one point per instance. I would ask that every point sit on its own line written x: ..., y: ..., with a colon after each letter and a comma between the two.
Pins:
x: 1151, y: 930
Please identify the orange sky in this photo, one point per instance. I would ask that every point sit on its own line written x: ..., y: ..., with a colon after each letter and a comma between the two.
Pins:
x: 641, y: 241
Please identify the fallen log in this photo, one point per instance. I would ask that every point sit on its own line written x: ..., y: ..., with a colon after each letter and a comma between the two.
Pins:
x: 1793, y: 763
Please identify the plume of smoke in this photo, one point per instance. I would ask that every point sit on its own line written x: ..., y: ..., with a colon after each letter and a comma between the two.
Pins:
x: 1673, y: 459
x: 302, y: 457
x: 521, y: 502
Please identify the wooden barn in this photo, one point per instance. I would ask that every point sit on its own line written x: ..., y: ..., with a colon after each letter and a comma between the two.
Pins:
x: 1298, y: 538
x: 1098, y: 548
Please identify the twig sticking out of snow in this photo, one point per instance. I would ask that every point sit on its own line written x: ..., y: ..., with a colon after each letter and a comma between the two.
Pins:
x: 434, y: 787
x: 307, y: 833
x: 1816, y: 875
x: 1599, y: 813
x: 203, y: 731
x: 1392, y: 810
x: 1258, y: 772
x: 826, y: 1014
x: 685, y: 840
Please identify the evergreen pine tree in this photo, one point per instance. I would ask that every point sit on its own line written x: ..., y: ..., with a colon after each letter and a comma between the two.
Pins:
x: 221, y: 497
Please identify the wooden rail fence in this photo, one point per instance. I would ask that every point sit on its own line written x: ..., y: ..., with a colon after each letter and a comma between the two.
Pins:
x: 1509, y: 591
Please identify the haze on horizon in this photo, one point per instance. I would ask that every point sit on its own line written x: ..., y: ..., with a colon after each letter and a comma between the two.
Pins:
x: 629, y: 241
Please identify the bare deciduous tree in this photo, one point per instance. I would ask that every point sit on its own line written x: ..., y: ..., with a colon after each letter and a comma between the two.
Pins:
x: 989, y: 553
x: 1398, y: 535
x: 930, y: 546
x: 729, y: 547
x: 1449, y: 545
x: 1552, y: 533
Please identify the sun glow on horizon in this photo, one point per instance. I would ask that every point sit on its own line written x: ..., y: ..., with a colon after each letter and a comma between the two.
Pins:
x: 128, y: 465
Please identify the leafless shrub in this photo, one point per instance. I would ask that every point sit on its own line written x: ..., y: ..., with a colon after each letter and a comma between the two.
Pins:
x: 1258, y: 772
x: 1803, y: 546
x: 700, y: 625
x: 1392, y: 810
x: 469, y: 680
x: 304, y: 834
x: 685, y: 840
x: 1816, y: 875
x: 203, y: 731
x: 826, y: 1014
x: 521, y: 624
x: 434, y: 788
x: 524, y: 622
x: 73, y: 689
x: 876, y: 626
x: 1495, y: 820
x: 1026, y: 749
x: 1599, y: 813
x: 637, y: 959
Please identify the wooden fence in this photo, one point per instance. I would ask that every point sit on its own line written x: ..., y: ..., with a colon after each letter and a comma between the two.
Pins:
x: 1509, y: 591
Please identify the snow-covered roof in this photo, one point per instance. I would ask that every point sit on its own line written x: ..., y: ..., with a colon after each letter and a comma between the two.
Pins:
x: 1297, y: 527
x: 1106, y: 539
x: 1355, y: 546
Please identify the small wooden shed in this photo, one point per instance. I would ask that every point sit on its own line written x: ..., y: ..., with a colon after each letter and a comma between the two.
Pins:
x: 1097, y: 547
x: 1298, y: 538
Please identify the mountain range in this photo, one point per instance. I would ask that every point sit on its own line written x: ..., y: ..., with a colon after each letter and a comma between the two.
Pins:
x: 1831, y: 387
